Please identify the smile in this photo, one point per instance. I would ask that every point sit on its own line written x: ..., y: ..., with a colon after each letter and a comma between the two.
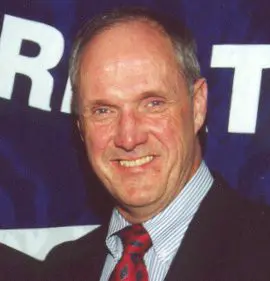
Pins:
x: 137, y: 162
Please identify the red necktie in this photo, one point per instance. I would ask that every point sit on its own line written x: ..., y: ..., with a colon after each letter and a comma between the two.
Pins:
x: 131, y: 266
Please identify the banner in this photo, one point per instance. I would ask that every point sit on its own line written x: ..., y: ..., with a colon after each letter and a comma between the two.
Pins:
x: 45, y: 179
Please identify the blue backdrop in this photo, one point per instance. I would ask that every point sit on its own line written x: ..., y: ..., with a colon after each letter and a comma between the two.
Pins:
x: 45, y: 179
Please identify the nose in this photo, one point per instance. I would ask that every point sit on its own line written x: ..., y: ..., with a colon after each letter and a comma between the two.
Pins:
x: 130, y: 131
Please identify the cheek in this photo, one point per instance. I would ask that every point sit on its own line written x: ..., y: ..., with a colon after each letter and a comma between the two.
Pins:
x: 167, y: 128
x: 174, y: 131
x: 97, y: 138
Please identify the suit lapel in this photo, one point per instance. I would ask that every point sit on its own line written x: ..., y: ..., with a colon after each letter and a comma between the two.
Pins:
x: 92, y: 256
x: 200, y: 251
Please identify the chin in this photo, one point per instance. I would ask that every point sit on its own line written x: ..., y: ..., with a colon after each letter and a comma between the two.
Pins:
x: 138, y: 200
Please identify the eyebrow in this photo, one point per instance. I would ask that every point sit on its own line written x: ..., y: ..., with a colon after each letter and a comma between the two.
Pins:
x: 96, y: 103
x: 152, y: 94
x: 104, y: 102
x: 144, y: 95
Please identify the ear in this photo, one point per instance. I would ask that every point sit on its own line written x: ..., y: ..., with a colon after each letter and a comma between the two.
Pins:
x: 199, y: 103
x: 80, y: 128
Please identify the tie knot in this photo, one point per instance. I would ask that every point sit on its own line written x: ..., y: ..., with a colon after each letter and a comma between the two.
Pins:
x: 136, y: 239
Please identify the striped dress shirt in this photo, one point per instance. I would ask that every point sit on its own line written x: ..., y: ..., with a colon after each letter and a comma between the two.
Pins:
x: 166, y: 230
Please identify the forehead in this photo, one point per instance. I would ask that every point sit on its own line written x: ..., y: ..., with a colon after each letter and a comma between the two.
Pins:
x: 135, y: 40
x: 131, y: 58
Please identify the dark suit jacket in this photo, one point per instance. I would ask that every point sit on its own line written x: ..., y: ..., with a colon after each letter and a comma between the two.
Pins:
x: 16, y: 266
x: 227, y: 240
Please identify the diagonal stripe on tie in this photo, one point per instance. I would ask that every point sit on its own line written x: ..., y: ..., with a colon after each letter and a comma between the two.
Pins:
x: 131, y: 267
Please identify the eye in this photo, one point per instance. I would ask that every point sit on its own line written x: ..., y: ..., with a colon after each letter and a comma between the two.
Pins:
x: 101, y: 110
x: 155, y: 103
x: 102, y: 113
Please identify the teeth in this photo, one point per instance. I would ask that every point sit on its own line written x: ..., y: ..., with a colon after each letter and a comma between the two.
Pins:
x: 137, y: 162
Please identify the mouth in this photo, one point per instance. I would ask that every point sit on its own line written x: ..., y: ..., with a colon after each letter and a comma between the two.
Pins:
x: 137, y: 162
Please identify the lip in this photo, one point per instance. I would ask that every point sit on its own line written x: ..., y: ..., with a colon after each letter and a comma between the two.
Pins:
x: 141, y: 167
x: 132, y: 158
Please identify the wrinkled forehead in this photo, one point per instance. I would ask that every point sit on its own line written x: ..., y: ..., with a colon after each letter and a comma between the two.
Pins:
x: 134, y: 41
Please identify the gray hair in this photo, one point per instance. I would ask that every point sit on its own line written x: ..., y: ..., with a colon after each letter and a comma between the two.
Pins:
x: 180, y: 37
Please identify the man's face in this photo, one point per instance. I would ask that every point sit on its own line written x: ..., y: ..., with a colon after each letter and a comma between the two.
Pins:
x: 138, y: 122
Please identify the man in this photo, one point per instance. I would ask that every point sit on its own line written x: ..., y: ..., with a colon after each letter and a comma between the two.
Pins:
x: 141, y: 102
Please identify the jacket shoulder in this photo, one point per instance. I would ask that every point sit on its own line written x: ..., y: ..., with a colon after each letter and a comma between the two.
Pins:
x: 92, y: 241
x: 237, y: 206
x: 78, y: 259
